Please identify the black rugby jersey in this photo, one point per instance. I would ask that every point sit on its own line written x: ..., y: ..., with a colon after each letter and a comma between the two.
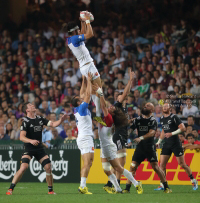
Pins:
x: 123, y: 131
x: 144, y: 125
x: 33, y: 128
x: 170, y: 124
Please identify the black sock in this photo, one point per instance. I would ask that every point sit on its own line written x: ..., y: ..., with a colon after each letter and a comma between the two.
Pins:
x: 50, y: 188
x: 118, y: 181
x: 165, y: 184
x: 191, y: 177
x: 109, y: 184
x: 128, y: 187
x: 12, y: 186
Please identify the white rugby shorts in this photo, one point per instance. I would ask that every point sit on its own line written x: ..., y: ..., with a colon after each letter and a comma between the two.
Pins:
x: 90, y: 68
x: 85, y: 144
x: 109, y: 152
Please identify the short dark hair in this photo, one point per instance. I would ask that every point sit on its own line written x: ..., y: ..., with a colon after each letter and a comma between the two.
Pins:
x: 191, y: 116
x: 190, y: 135
x: 71, y: 25
x: 74, y: 101
x: 24, y: 107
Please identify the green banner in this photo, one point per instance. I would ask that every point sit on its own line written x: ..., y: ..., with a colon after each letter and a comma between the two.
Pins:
x: 65, y: 166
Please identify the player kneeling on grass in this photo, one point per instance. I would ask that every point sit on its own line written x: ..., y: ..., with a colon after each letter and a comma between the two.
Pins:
x: 31, y: 135
x: 109, y: 149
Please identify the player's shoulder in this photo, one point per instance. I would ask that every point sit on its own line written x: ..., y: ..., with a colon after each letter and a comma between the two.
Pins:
x: 152, y: 118
x: 25, y: 120
x: 138, y: 118
x: 161, y: 117
x: 173, y: 115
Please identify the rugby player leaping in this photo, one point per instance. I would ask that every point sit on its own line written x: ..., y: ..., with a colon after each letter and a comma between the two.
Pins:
x: 78, y: 48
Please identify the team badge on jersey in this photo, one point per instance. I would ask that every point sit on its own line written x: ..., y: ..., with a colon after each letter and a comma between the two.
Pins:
x: 96, y: 73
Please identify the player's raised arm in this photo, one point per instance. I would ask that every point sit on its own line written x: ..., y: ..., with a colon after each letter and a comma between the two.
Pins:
x: 83, y: 87
x: 89, y: 31
x: 83, y: 27
x: 88, y: 89
x: 127, y: 88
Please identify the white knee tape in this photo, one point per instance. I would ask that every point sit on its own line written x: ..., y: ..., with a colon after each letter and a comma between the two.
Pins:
x: 120, y: 155
x: 106, y: 166
x: 133, y: 165
x: 48, y: 174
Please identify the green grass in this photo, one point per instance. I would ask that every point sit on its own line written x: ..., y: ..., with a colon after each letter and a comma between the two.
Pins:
x: 37, y: 192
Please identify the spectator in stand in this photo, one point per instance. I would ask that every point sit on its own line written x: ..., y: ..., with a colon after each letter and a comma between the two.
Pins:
x: 3, y: 135
x: 192, y: 143
x: 69, y: 136
x: 120, y: 78
x: 189, y: 109
x: 46, y: 83
x: 46, y: 137
x: 158, y: 45
x: 9, y: 131
x: 74, y: 128
x: 182, y: 138
x: 73, y: 79
x: 57, y: 140
x: 63, y: 133
x: 138, y: 99
x: 190, y: 122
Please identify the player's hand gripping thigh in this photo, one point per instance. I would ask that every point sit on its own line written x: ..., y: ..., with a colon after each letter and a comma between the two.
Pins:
x: 98, y: 81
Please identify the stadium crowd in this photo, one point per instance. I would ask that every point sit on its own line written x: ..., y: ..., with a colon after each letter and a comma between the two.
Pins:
x: 37, y: 65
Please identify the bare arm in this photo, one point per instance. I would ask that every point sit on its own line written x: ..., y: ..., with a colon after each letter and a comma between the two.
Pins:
x: 83, y: 27
x: 162, y: 135
x: 88, y: 89
x: 24, y: 139
x: 103, y: 106
x: 83, y: 87
x: 57, y: 123
x: 89, y: 31
x: 151, y: 133
x: 127, y: 88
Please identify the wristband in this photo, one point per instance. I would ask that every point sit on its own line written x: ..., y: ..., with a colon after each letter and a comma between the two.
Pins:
x: 100, y: 92
x: 87, y: 21
x: 176, y: 132
x: 159, y: 141
x: 141, y: 138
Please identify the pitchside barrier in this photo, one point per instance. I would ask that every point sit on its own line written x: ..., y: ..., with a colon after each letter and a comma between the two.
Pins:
x: 66, y: 164
x: 175, y: 174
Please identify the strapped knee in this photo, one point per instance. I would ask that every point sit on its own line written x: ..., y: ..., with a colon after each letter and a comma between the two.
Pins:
x: 25, y: 160
x: 106, y: 166
x: 120, y: 155
x: 45, y: 162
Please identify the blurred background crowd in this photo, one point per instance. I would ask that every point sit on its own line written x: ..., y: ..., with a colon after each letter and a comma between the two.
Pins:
x: 159, y: 40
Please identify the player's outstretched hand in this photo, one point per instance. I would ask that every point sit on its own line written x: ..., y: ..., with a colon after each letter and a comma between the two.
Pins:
x: 87, y: 15
x: 132, y: 75
x: 34, y: 142
x: 137, y: 140
x: 167, y: 135
x: 157, y: 145
x: 90, y: 76
x: 64, y: 117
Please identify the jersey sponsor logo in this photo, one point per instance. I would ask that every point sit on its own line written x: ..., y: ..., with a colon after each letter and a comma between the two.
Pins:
x: 138, y: 123
x: 161, y: 123
x: 166, y: 127
x: 180, y: 153
x: 143, y: 128
x: 41, y: 123
x: 80, y: 37
x: 60, y: 166
x: 149, y: 124
x: 152, y: 159
x: 37, y: 128
x: 31, y: 125
x: 169, y: 121
x: 8, y: 166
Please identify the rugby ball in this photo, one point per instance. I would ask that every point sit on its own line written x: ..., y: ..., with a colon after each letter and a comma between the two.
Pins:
x: 82, y: 16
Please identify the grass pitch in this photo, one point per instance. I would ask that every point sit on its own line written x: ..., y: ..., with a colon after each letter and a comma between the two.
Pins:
x: 37, y: 193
